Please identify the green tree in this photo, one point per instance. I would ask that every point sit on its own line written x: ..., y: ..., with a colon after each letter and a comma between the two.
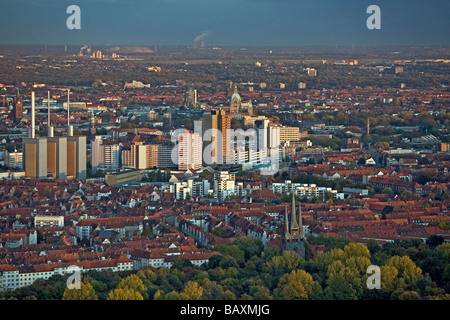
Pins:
x: 373, y: 246
x: 250, y: 246
x: 434, y: 240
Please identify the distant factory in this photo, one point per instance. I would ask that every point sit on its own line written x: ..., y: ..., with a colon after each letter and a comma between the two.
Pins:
x: 199, y: 41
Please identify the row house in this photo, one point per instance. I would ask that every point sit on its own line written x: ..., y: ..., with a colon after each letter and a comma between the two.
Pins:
x: 396, y: 184
x: 16, y: 277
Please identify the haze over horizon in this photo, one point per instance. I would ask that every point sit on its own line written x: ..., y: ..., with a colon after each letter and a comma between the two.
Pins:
x: 227, y: 23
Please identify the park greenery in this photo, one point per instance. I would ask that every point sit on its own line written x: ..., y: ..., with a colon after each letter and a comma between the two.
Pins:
x: 245, y: 270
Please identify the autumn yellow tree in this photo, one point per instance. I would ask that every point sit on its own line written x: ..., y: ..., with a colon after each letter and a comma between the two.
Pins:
x: 406, y: 268
x: 132, y: 282
x: 192, y: 291
x: 298, y: 284
x: 86, y: 292
x: 124, y: 294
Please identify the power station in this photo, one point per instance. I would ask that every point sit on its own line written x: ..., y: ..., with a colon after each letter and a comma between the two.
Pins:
x: 62, y: 157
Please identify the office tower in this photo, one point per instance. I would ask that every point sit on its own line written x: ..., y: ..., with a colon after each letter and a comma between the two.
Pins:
x: 190, y: 98
x: 14, y: 159
x: 273, y: 137
x: 108, y: 156
x: 142, y: 156
x: 189, y: 151
x: 262, y: 134
x: 218, y: 124
x: 164, y: 154
x: 224, y: 185
x: 235, y: 105
x: 96, y: 153
x: 289, y: 134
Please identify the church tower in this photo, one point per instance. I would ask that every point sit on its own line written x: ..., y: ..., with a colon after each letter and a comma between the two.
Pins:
x: 293, y: 237
x: 235, y: 106
x: 250, y: 110
x: 18, y: 108
x: 92, y: 124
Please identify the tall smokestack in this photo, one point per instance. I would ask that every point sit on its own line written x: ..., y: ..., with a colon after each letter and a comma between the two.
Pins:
x: 50, y: 128
x: 32, y: 133
x: 68, y: 107
x: 69, y: 127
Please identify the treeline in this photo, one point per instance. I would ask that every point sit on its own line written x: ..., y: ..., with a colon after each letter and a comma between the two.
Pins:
x: 409, y: 270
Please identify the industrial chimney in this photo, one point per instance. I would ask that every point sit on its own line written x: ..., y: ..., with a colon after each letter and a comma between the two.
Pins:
x: 50, y: 128
x: 69, y: 127
x: 32, y: 133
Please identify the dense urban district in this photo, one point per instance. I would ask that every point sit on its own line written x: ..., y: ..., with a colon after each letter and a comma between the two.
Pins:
x: 107, y: 169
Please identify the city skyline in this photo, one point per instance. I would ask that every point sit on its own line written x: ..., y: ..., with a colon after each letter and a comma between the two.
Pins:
x: 250, y: 23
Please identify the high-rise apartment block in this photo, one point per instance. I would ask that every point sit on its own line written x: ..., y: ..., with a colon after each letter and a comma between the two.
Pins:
x: 189, y: 151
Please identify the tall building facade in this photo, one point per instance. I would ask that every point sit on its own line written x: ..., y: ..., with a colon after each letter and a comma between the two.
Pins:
x: 289, y: 134
x: 14, y: 159
x: 189, y: 151
x: 141, y: 156
x: 107, y: 156
x: 224, y: 185
x: 219, y: 146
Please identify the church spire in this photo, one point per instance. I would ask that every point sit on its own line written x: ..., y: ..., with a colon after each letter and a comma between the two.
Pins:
x: 294, y: 224
x: 300, y: 224
x: 286, y: 223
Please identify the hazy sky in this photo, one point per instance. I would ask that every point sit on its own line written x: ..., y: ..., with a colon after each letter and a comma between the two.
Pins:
x: 228, y: 22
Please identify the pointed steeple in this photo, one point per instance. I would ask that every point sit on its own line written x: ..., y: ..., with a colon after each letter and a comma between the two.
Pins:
x: 286, y: 223
x: 294, y: 224
x: 300, y: 224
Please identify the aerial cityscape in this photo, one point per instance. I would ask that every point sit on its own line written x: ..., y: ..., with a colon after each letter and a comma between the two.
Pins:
x: 209, y: 170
